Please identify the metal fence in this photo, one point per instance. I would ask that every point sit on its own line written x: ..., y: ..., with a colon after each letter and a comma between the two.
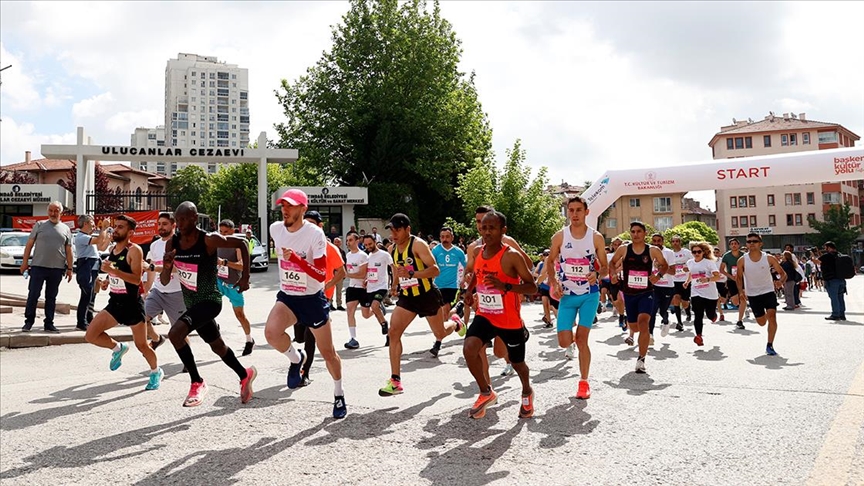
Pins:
x: 119, y: 201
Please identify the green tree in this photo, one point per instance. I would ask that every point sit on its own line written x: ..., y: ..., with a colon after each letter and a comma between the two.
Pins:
x: 533, y: 215
x: 190, y: 183
x: 836, y: 227
x: 692, y: 231
x: 387, y: 107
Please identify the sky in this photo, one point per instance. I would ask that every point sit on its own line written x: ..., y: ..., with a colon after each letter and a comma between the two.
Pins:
x: 587, y: 87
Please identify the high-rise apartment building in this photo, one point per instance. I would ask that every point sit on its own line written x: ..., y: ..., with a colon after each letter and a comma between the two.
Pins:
x: 149, y: 137
x: 780, y: 213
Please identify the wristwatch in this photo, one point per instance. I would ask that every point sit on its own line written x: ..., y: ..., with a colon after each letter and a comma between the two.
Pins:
x: 410, y: 273
x: 152, y: 267
x: 508, y: 287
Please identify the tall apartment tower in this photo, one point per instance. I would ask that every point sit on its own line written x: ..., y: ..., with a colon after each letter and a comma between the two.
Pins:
x: 780, y: 213
x: 206, y: 104
x: 149, y: 137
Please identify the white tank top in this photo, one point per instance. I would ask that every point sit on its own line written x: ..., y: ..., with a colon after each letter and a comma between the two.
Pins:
x: 757, y: 276
x: 576, y: 261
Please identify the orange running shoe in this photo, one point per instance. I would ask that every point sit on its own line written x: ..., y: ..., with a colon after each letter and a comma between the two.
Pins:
x: 584, y: 391
x: 527, y: 408
x: 479, y: 409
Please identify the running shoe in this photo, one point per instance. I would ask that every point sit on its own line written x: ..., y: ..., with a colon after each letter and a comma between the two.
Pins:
x: 352, y: 344
x: 294, y: 371
x: 384, y: 328
x: 508, y: 370
x: 435, y: 349
x: 478, y: 411
x: 392, y: 387
x: 722, y: 318
x: 713, y: 319
x: 769, y: 350
x: 461, y: 328
x: 155, y: 379
x: 689, y: 317
x: 246, y: 384
x: 584, y: 390
x: 156, y: 344
x: 664, y: 330
x: 570, y: 352
x: 339, y: 408
x: 629, y: 341
x: 196, y: 394
x: 640, y: 365
x: 679, y: 327
x: 608, y: 305
x: 387, y: 341
x: 739, y: 325
x: 247, y: 348
x: 117, y: 357
x: 651, y: 341
x: 160, y: 320
x: 698, y: 340
x: 600, y: 308
x: 526, y: 410
x: 306, y: 381
x: 747, y: 313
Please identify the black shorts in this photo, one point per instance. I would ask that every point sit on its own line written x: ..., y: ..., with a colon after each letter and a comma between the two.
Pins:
x: 353, y: 294
x: 722, y: 289
x: 125, y: 311
x: 544, y: 292
x: 310, y: 310
x: 448, y: 295
x: 201, y: 318
x: 613, y: 289
x: 731, y: 288
x: 682, y: 291
x: 514, y: 338
x: 424, y: 305
x: 760, y: 303
x: 370, y: 297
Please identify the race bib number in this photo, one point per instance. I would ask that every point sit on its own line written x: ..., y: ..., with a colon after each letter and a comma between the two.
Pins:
x: 188, y: 273
x: 292, y: 278
x: 637, y: 280
x: 663, y: 279
x: 222, y: 271
x: 117, y: 285
x: 734, y: 271
x: 696, y: 284
x: 577, y: 269
x: 490, y: 300
x: 158, y: 263
x: 372, y: 275
x: 679, y: 270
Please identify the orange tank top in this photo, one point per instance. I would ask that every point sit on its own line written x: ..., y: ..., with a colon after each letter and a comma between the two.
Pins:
x: 501, y: 308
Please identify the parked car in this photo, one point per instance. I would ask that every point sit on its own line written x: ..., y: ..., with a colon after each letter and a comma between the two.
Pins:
x: 12, y: 245
x: 259, y: 257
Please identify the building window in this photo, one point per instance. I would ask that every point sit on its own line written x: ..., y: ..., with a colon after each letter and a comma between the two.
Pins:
x: 788, y: 198
x: 805, y: 138
x: 742, y: 201
x: 793, y: 139
x: 733, y: 202
x: 193, y: 74
x: 729, y: 144
x: 811, y: 198
x: 772, y: 220
x: 739, y: 143
x: 827, y: 137
x: 798, y: 221
x: 751, y: 201
x: 211, y: 168
x: 789, y: 220
x: 634, y: 218
x: 613, y: 205
x: 770, y: 199
x: 160, y: 167
x: 766, y: 140
x: 811, y: 216
x: 784, y: 140
x: 748, y: 142
x: 752, y: 221
x: 611, y: 223
x: 663, y: 205
x: 635, y: 202
x: 663, y: 223
x: 831, y: 198
x: 797, y: 198
x: 734, y: 221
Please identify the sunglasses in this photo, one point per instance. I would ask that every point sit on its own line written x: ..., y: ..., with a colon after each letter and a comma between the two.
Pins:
x: 696, y: 252
x: 753, y: 241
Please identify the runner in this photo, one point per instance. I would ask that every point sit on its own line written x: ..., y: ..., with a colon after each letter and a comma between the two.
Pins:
x: 229, y: 267
x: 356, y: 262
x: 499, y: 270
x: 702, y: 272
x: 729, y: 268
x: 193, y: 252
x: 414, y: 269
x: 682, y: 294
x: 638, y: 260
x: 302, y: 250
x: 722, y: 290
x: 540, y: 277
x: 379, y: 265
x: 664, y: 290
x: 125, y: 306
x: 754, y: 278
x: 613, y: 292
x: 162, y: 298
x: 451, y: 262
x: 578, y: 249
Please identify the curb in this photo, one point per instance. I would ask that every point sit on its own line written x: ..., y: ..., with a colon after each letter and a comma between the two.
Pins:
x: 38, y: 340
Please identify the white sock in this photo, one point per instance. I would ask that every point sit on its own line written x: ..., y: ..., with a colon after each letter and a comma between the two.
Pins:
x: 337, y: 388
x: 154, y: 370
x: 293, y: 354
x: 248, y: 338
x: 353, y: 332
x: 117, y: 348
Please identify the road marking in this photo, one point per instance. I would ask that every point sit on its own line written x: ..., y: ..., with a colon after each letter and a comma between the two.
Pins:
x: 834, y: 462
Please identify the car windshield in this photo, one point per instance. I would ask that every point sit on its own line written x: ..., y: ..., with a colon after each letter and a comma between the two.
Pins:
x: 13, y: 240
x: 255, y: 241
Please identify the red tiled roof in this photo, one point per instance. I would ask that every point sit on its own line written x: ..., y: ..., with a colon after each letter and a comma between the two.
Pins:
x: 41, y: 165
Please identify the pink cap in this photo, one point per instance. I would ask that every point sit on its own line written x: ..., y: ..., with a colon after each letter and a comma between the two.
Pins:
x: 294, y: 197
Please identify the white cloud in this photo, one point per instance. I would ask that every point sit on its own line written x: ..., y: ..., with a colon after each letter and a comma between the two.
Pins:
x: 18, y: 138
x: 93, y: 107
x: 125, y: 122
x: 19, y: 88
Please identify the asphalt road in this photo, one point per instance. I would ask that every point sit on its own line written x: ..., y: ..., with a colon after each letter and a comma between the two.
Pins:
x: 721, y: 414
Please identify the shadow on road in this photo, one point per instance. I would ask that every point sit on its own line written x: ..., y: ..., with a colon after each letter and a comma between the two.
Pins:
x: 772, y: 362
x: 637, y: 384
x: 713, y: 354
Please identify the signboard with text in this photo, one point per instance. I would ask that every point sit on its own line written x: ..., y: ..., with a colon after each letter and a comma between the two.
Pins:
x: 329, y: 196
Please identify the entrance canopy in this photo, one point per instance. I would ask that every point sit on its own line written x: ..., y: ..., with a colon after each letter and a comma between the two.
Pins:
x: 85, y: 155
x: 831, y: 165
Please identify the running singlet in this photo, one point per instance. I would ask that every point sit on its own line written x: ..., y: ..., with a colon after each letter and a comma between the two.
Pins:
x: 499, y: 307
x: 450, y: 262
x: 411, y: 286
x: 119, y: 289
x: 224, y: 272
x: 576, y: 262
x: 157, y: 253
x: 637, y: 268
x: 309, y: 243
x: 757, y: 276
x: 355, y: 260
x: 665, y: 279
x: 678, y: 261
x: 377, y: 277
x: 196, y: 270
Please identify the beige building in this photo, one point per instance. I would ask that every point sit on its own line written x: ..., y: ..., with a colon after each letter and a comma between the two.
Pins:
x: 780, y: 213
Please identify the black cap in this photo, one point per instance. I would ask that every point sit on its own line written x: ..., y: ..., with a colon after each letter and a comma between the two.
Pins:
x: 399, y: 220
x: 313, y: 215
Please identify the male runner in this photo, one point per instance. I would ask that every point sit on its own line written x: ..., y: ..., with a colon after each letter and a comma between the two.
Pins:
x: 578, y: 249
x: 500, y: 275
x: 125, y: 306
x: 451, y: 262
x: 418, y: 296
x: 613, y: 291
x: 379, y: 265
x: 193, y: 253
x: 229, y: 267
x: 664, y: 290
x: 302, y: 250
x: 754, y: 278
x: 729, y: 268
x: 355, y: 262
x: 679, y: 276
x: 162, y: 298
x: 638, y: 261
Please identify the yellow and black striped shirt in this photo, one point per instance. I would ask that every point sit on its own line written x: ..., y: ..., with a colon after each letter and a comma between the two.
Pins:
x: 411, y: 286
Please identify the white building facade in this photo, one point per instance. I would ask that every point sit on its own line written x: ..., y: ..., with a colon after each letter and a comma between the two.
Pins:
x: 149, y: 137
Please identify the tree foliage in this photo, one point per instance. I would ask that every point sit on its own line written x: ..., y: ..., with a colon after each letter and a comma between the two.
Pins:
x: 692, y: 231
x: 533, y: 215
x: 388, y: 106
x: 836, y: 227
x: 190, y: 183
x: 16, y: 177
x: 107, y: 201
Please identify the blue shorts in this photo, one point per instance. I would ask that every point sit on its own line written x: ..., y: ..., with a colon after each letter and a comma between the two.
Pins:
x: 641, y: 303
x: 234, y: 295
x: 310, y: 310
x: 585, y: 305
